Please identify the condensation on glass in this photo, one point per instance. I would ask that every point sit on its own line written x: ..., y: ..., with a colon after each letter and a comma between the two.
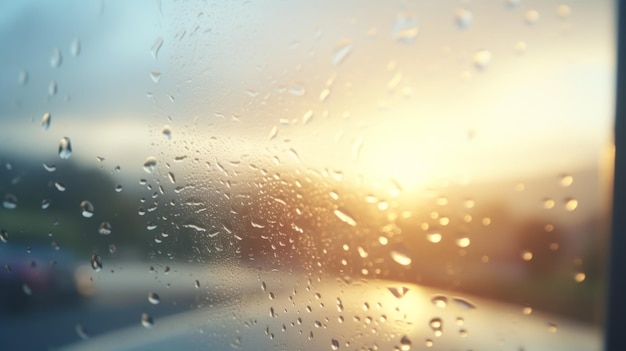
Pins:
x: 309, y: 175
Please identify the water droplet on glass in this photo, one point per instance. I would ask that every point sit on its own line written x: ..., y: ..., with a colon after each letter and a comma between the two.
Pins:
x: 118, y: 188
x: 405, y: 343
x: 4, y: 236
x: 196, y: 284
x: 482, y: 59
x: 342, y: 50
x: 86, y: 209
x: 105, y: 228
x: 463, y: 242
x: 527, y: 255
x: 552, y: 327
x: 563, y: 11
x: 151, y: 226
x: 171, y: 177
x: 26, y: 289
x: 9, y: 202
x: 65, y: 148
x: 531, y: 17
x: 428, y: 343
x: 566, y: 180
x: 75, y: 47
x: 52, y: 88
x: 571, y: 204
x: 405, y: 28
x: 520, y: 47
x: 153, y: 298
x: 439, y: 301
x: 146, y: 320
x: 81, y: 332
x: 345, y: 217
x: 334, y: 344
x: 56, y: 58
x: 60, y: 186
x: 436, y: 324
x: 580, y: 277
x: 463, y: 18
x: 548, y: 203
x: 297, y: 90
x: 156, y: 47
x: 49, y: 168
x: 22, y: 78
x: 45, y: 121
x: 401, y: 258
x: 149, y: 165
x: 167, y: 132
x: 464, y: 303
x: 96, y: 263
x: 398, y: 292
x: 155, y: 76
x: 112, y: 249
x: 434, y: 237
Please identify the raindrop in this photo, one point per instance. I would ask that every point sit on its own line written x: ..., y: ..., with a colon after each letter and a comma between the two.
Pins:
x: 344, y: 217
x: 104, y: 228
x: 149, y: 165
x: 463, y: 303
x: 552, y: 327
x: 52, y: 88
x: 75, y: 47
x: 155, y: 76
x: 405, y: 343
x: 4, y: 236
x: 146, y: 320
x: 9, y: 202
x: 463, y: 333
x: 27, y: 290
x: 86, y: 209
x: 429, y: 343
x: 482, y: 59
x: 548, y: 203
x: 81, y: 332
x: 60, y: 186
x: 65, y: 148
x: 463, y: 18
x: 520, y: 47
x: 112, y: 249
x: 56, y: 58
x: 334, y: 344
x: 578, y: 277
x: 96, y: 263
x: 153, y: 298
x: 158, y: 42
x: 571, y: 204
x: 439, y: 301
x: 167, y: 132
x: 49, y: 168
x: 434, y: 237
x: 171, y: 177
x: 531, y: 17
x: 405, y: 29
x: 401, y: 258
x: 22, y: 78
x: 566, y: 180
x: 436, y: 324
x: 527, y: 256
x: 297, y: 90
x: 118, y: 188
x: 342, y: 50
x: 563, y: 11
x: 463, y: 242
x: 45, y: 121
x: 196, y: 284
x: 398, y: 292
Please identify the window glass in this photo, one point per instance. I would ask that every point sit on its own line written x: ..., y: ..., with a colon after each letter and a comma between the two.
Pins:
x: 305, y: 175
